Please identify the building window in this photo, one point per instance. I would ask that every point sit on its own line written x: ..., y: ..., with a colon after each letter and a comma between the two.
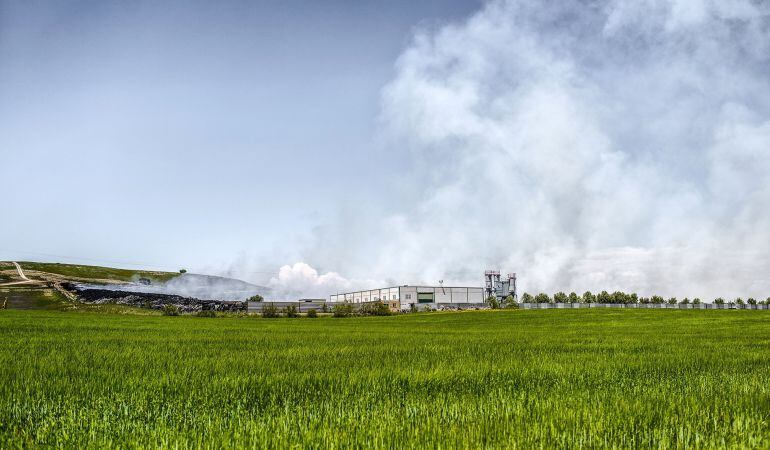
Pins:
x: 408, y: 296
x: 394, y: 296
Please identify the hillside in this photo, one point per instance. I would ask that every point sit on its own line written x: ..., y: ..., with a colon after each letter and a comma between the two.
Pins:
x: 76, y: 272
x: 45, y: 282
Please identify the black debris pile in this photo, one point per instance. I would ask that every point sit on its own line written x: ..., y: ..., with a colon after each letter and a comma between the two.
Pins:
x: 154, y: 301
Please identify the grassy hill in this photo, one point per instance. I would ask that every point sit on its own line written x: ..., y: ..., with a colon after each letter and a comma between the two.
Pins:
x: 485, y: 379
x: 76, y: 271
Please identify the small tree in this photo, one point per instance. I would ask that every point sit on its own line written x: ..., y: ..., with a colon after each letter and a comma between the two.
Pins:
x: 527, y: 298
x: 573, y: 298
x: 672, y: 301
x: 325, y: 308
x: 270, y: 311
x: 645, y: 300
x: 685, y: 301
x: 291, y: 311
x: 560, y: 297
x: 542, y: 298
x: 311, y: 313
x: 719, y: 301
x: 182, y: 270
x: 256, y: 298
x: 656, y: 299
x: 412, y: 308
x: 739, y: 301
x: 618, y: 297
x: 604, y: 297
x: 588, y: 297
x: 751, y: 301
x: 633, y: 298
x: 696, y: 301
x: 493, y: 302
x: 510, y: 302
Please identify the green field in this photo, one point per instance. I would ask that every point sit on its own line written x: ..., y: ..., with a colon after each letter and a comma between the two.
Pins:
x: 542, y: 379
x: 31, y: 297
x: 96, y: 272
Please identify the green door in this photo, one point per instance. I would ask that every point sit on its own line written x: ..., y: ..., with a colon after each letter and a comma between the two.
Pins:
x: 425, y: 297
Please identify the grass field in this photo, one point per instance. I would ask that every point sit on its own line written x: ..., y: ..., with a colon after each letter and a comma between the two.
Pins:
x: 31, y: 297
x: 96, y: 272
x: 542, y: 379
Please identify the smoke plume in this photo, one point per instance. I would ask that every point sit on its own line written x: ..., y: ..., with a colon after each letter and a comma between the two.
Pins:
x: 585, y: 145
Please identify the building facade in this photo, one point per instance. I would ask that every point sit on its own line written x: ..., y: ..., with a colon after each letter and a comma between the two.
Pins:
x: 419, y: 296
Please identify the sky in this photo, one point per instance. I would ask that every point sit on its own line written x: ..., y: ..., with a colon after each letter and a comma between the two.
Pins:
x: 322, y: 147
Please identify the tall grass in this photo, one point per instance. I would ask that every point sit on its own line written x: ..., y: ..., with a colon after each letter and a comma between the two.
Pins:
x: 550, y: 378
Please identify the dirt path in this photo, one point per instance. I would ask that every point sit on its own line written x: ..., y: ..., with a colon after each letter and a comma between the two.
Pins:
x: 23, y: 277
x: 21, y: 272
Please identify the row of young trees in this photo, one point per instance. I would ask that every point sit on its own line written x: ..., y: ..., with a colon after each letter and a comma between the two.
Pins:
x: 624, y: 298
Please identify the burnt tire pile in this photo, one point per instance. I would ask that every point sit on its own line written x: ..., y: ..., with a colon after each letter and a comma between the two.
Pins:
x: 155, y: 301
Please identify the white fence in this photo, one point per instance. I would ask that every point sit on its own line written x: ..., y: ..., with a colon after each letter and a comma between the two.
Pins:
x: 638, y: 306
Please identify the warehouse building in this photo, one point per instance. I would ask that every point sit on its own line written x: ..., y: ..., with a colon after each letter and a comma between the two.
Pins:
x: 403, y: 297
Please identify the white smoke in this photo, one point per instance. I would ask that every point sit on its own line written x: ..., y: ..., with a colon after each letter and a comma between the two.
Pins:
x: 301, y: 280
x: 611, y: 145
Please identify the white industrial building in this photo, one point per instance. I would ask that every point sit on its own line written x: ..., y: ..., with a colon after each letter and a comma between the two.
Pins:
x: 403, y: 297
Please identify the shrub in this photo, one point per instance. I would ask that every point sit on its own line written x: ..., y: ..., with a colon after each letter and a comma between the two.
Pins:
x: 342, y: 310
x: 325, y: 308
x: 377, y: 308
x: 527, y: 298
x: 182, y: 270
x: 493, y: 302
x: 311, y: 313
x: 509, y: 302
x: 412, y: 308
x: 270, y: 311
x: 291, y: 311
x: 206, y: 313
x: 170, y: 310
x: 256, y: 298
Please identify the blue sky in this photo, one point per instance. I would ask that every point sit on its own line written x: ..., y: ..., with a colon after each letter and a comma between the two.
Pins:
x: 184, y: 134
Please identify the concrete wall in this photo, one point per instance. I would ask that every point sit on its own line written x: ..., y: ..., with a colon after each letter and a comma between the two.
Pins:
x: 256, y: 307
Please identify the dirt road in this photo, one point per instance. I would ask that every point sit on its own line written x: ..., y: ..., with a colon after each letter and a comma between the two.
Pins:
x: 21, y: 272
x: 23, y: 277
